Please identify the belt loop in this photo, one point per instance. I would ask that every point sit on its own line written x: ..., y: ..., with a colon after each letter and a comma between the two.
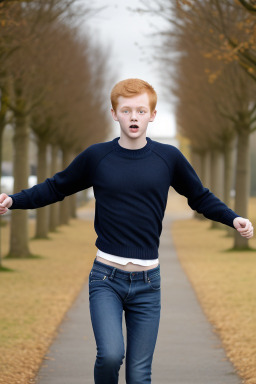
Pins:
x: 111, y: 277
x: 145, y: 276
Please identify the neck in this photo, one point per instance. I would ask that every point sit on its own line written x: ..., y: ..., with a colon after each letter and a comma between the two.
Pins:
x: 132, y: 143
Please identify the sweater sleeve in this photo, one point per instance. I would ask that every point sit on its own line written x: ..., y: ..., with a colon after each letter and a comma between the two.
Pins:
x: 187, y: 183
x: 76, y: 177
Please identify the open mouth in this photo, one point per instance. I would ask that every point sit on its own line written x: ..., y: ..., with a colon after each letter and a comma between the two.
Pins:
x: 134, y: 126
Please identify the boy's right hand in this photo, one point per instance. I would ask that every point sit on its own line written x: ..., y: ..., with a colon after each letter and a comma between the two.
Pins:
x: 5, y: 203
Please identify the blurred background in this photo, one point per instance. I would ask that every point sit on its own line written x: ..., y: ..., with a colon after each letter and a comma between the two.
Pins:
x: 59, y: 60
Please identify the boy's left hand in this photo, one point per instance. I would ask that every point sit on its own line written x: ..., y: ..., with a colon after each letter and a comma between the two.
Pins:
x: 244, y: 227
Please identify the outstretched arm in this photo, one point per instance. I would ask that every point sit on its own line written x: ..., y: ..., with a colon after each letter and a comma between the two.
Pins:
x: 76, y: 177
x: 186, y: 182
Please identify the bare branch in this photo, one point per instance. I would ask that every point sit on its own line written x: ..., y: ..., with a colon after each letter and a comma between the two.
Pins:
x: 249, y: 5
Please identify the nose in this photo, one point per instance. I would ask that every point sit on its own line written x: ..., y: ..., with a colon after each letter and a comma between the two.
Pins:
x: 133, y: 116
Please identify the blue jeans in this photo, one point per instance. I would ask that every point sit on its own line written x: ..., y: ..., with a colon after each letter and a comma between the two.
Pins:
x: 138, y: 294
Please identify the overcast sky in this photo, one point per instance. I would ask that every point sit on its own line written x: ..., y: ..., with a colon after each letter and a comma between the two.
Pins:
x: 126, y: 33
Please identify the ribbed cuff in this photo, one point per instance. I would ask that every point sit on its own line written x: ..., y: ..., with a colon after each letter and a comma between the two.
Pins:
x: 19, y: 201
x: 228, y: 218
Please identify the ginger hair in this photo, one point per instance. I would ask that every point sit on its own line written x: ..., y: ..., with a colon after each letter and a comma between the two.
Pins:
x: 133, y: 87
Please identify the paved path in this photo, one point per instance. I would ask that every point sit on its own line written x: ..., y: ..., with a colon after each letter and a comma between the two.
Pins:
x: 187, y: 350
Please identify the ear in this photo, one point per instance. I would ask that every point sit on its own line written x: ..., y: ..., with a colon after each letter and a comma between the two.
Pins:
x: 153, y: 115
x: 114, y: 114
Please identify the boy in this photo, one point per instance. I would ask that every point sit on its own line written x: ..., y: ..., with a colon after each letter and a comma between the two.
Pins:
x: 131, y: 176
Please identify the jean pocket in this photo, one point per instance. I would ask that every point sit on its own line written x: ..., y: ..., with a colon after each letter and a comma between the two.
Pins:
x: 96, y: 275
x: 155, y: 282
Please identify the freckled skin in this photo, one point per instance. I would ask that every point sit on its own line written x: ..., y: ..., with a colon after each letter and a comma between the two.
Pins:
x: 133, y: 111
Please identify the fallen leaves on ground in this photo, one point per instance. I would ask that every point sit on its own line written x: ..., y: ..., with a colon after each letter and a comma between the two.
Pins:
x: 37, y: 293
x: 225, y: 285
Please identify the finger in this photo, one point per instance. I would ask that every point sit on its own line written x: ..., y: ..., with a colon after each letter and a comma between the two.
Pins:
x: 6, y: 203
x: 242, y: 231
x: 250, y: 230
x: 246, y: 230
x: 248, y: 235
x: 247, y: 227
x: 2, y: 197
x: 241, y: 225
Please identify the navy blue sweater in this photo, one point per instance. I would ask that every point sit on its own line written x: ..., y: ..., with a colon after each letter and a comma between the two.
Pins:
x: 131, y: 189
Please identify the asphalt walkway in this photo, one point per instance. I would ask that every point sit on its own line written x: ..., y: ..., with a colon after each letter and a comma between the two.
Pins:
x: 187, y: 349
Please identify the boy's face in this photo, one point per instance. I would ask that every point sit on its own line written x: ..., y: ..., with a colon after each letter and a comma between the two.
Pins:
x: 133, y: 115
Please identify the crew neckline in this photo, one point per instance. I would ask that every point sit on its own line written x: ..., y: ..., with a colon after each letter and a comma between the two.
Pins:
x: 132, y: 152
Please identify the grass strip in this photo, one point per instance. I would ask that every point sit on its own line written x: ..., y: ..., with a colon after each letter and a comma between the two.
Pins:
x: 225, y: 284
x: 36, y: 293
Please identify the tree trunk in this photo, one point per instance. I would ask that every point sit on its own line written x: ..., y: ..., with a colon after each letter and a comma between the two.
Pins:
x: 65, y: 204
x: 228, y: 173
x: 242, y: 183
x: 205, y: 173
x: 19, y: 218
x: 2, y: 125
x: 206, y: 169
x: 42, y: 223
x: 197, y: 163
x: 73, y: 204
x: 54, y: 208
x: 72, y: 200
x: 228, y: 177
x: 217, y: 180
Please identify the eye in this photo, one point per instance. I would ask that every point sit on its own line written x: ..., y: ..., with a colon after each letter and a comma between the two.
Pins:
x: 141, y: 111
x: 125, y: 111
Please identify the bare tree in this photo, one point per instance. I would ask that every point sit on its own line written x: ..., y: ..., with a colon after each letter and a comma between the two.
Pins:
x: 19, y: 54
x: 204, y: 22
